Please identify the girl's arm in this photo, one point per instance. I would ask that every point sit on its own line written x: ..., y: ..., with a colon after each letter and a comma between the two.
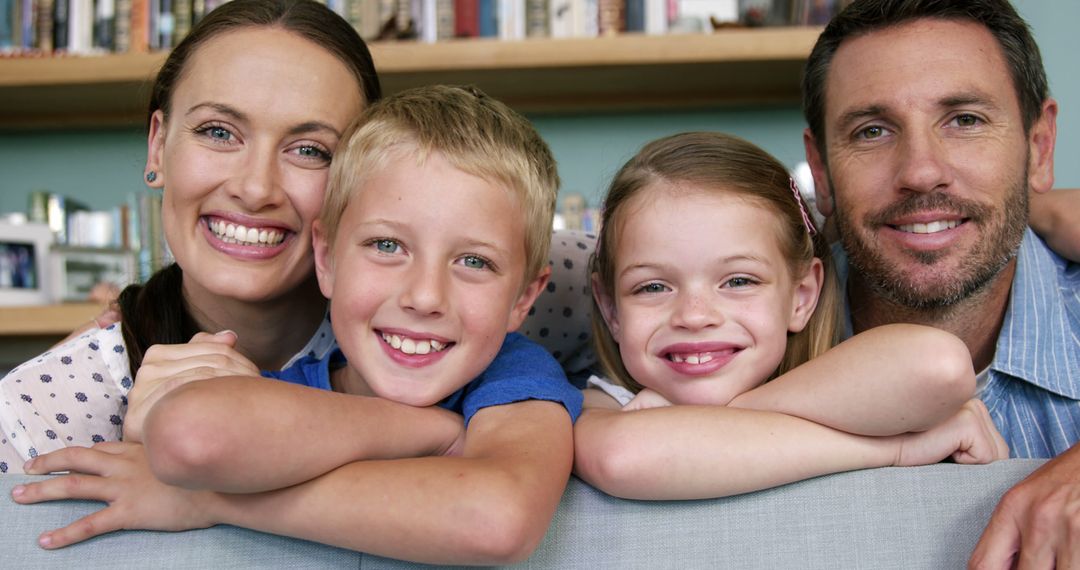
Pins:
x: 1055, y: 216
x: 492, y: 505
x: 888, y: 380
x: 691, y: 452
x: 243, y: 435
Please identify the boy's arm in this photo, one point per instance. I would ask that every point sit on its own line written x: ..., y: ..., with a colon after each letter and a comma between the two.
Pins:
x: 242, y: 435
x: 692, y: 452
x: 888, y: 380
x: 1055, y: 216
x: 492, y: 505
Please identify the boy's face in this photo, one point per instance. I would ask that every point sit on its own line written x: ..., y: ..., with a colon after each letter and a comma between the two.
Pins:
x: 425, y: 277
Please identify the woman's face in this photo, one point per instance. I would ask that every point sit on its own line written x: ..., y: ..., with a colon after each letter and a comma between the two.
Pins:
x: 243, y: 160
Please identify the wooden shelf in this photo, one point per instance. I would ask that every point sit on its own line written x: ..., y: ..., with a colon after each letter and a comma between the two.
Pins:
x: 46, y: 320
x: 535, y: 76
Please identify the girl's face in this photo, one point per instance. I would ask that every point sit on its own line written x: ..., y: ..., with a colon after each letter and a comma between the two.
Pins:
x: 243, y: 160
x: 703, y: 297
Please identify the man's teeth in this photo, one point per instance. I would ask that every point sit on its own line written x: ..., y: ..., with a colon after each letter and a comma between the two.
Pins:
x: 701, y: 358
x: 411, y: 346
x: 235, y: 233
x: 930, y: 228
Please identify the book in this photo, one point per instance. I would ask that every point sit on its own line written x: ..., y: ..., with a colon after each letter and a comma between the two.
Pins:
x: 511, y: 19
x: 635, y: 15
x: 7, y: 29
x: 122, y: 28
x: 489, y: 18
x: 60, y: 24
x: 561, y: 18
x: 611, y: 17
x: 45, y: 26
x: 656, y: 17
x: 140, y: 26
x: 104, y: 36
x: 466, y: 18
x: 181, y: 20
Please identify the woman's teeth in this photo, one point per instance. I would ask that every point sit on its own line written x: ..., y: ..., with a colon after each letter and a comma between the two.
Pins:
x: 411, y: 346
x: 235, y: 233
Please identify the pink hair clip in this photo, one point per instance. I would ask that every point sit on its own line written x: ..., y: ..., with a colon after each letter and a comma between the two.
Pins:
x: 802, y: 207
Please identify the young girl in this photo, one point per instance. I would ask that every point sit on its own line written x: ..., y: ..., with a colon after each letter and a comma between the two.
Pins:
x: 710, y: 280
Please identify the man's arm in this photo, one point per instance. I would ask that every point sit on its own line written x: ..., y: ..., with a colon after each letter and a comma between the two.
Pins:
x: 885, y: 381
x: 243, y: 435
x: 1037, y: 523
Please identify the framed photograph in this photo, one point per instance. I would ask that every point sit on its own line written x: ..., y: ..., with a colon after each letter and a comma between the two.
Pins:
x: 77, y: 270
x: 24, y: 249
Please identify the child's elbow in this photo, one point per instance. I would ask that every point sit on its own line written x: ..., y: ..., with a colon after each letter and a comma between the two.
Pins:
x: 181, y: 441
x: 946, y: 371
x: 614, y: 467
x: 505, y: 532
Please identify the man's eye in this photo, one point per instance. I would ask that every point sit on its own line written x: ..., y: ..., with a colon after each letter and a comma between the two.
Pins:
x: 967, y: 120
x: 871, y: 132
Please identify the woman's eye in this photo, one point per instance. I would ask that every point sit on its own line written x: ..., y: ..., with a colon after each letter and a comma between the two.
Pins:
x: 387, y: 246
x: 216, y: 133
x: 309, y: 151
x: 474, y: 262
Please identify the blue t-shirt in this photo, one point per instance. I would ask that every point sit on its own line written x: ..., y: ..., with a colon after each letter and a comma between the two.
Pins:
x: 522, y: 370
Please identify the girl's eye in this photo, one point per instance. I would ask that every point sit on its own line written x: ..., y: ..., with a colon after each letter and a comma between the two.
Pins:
x: 738, y: 282
x: 475, y: 262
x: 386, y: 246
x: 651, y: 288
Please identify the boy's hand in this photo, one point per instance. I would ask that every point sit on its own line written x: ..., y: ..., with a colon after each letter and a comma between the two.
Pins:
x: 646, y: 399
x: 968, y: 437
x: 116, y: 473
x: 166, y: 367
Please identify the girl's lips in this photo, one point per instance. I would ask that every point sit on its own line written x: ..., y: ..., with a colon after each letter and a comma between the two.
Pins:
x: 697, y: 359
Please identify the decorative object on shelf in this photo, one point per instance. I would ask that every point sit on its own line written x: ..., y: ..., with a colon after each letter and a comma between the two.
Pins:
x: 24, y: 278
x: 77, y: 271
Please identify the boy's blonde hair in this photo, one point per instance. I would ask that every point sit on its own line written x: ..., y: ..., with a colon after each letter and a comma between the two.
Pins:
x: 475, y: 133
x: 729, y: 165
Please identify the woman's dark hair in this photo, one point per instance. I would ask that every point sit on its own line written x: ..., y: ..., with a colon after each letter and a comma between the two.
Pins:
x: 155, y: 313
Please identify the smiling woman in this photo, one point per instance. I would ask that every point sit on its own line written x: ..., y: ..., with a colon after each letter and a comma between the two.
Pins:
x: 244, y: 117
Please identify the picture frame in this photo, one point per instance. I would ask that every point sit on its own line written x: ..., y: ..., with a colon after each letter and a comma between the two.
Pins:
x: 24, y: 269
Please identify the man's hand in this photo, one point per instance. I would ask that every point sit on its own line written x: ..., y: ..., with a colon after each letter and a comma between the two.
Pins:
x: 969, y: 437
x: 1037, y: 523
x: 166, y: 367
x: 115, y: 473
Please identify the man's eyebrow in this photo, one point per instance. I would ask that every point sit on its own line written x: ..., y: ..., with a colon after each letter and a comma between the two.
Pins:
x: 860, y: 113
x: 968, y: 99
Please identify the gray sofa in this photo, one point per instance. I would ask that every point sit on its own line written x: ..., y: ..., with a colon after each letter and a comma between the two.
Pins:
x: 913, y: 517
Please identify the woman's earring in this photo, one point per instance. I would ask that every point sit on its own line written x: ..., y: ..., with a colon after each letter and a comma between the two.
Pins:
x: 151, y: 177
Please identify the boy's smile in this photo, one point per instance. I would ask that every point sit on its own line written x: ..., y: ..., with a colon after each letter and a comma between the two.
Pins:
x: 425, y: 278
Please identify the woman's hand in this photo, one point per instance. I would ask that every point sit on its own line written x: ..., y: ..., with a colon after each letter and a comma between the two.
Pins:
x: 166, y: 367
x: 969, y: 437
x: 115, y: 473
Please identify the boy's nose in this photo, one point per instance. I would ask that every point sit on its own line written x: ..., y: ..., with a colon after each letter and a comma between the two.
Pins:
x: 424, y: 290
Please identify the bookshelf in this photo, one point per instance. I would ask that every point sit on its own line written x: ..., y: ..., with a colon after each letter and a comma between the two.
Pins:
x: 46, y: 320
x: 581, y: 75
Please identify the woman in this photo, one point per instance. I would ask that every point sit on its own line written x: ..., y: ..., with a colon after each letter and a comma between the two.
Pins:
x: 243, y: 119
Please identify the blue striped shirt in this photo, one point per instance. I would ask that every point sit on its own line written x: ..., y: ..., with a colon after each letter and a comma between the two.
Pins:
x: 1033, y: 390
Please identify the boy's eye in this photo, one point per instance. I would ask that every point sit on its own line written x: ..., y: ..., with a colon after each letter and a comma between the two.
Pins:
x: 474, y: 262
x: 311, y: 151
x: 387, y: 246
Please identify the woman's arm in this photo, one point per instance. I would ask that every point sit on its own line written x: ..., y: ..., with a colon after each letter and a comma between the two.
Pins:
x: 690, y: 452
x: 888, y: 380
x: 243, y: 435
x: 1055, y: 216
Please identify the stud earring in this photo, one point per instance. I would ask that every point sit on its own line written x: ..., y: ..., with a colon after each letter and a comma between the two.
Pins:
x: 151, y: 176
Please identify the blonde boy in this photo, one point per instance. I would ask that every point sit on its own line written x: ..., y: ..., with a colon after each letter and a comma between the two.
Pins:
x: 432, y: 247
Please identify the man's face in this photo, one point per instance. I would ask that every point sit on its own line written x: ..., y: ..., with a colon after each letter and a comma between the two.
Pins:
x: 928, y: 160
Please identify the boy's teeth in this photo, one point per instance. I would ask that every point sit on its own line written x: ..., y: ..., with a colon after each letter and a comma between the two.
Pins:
x: 235, y: 233
x: 412, y: 346
x: 929, y: 228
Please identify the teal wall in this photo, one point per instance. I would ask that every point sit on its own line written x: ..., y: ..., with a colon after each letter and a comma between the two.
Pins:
x: 102, y: 167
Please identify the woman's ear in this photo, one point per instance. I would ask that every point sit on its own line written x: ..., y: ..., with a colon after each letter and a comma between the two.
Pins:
x: 528, y: 296
x: 324, y: 263
x: 155, y: 151
x: 805, y: 295
x: 607, y: 307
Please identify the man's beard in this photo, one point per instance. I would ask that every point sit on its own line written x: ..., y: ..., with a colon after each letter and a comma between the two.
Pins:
x: 1002, y: 232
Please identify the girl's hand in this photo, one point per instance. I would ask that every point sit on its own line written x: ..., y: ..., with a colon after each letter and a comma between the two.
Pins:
x: 646, y: 399
x: 166, y: 367
x: 968, y: 437
x: 116, y: 473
